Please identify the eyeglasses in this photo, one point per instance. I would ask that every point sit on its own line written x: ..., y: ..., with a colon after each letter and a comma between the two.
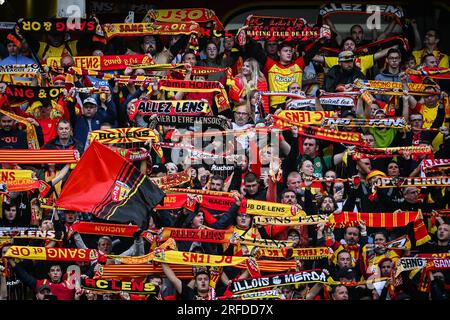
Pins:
x: 295, y: 88
x: 150, y: 42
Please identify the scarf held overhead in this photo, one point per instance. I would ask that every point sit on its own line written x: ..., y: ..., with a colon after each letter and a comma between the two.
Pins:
x: 123, y: 135
x: 168, y: 107
x: 59, y: 25
x: 183, y: 15
x: 398, y: 182
x: 33, y: 93
x: 266, y: 208
x: 196, y: 235
x: 371, y: 123
x: 290, y: 221
x: 220, y: 98
x: 385, y: 220
x: 280, y: 28
x: 190, y: 121
x: 375, y: 153
x: 27, y: 156
x: 155, y: 28
x: 353, y: 138
x: 116, y: 286
x: 104, y: 229
x: 103, y: 63
x: 302, y: 253
x: 305, y: 117
x: 52, y: 254
x: 33, y: 142
x: 18, y: 180
x: 300, y: 277
x: 193, y: 259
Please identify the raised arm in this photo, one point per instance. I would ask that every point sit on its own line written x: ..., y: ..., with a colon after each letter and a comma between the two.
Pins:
x: 136, y: 249
x: 417, y: 39
x: 252, y: 49
x: 79, y: 241
x: 387, y: 31
x: 172, y: 277
x: 383, y: 53
x: 328, y: 22
x: 23, y: 275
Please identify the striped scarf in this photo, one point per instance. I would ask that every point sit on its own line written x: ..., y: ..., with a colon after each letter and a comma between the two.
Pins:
x: 385, y: 220
x: 32, y: 138
x: 27, y: 156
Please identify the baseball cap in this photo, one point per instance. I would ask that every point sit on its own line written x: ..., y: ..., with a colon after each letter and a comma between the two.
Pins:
x: 90, y: 100
x: 346, y: 56
x: 44, y: 287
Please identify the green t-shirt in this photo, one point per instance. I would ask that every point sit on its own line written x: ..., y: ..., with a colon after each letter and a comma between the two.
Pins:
x: 318, y: 164
x: 383, y: 138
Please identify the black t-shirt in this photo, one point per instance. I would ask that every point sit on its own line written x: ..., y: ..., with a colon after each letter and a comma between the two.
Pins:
x: 433, y: 247
x: 187, y: 293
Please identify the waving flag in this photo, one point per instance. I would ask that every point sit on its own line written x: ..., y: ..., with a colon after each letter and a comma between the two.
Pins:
x: 111, y: 188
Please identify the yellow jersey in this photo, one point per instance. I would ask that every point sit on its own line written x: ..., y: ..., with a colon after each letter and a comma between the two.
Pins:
x: 442, y: 58
x: 280, y: 77
x: 362, y: 62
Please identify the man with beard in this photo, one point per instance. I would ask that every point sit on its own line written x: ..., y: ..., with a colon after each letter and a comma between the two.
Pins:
x: 418, y: 137
x: 11, y: 138
x: 217, y: 183
x: 153, y: 45
x: 56, y: 46
x: 201, y: 289
x: 431, y: 41
x: 339, y: 78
